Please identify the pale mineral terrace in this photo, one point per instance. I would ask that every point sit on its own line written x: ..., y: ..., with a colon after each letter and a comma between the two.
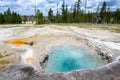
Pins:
x: 24, y: 49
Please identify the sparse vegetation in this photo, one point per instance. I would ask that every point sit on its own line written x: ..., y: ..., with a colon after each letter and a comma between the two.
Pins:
x: 10, y: 17
x: 3, y: 63
x: 110, y: 27
x: 5, y: 55
x: 1, y: 56
x: 103, y: 15
x: 4, y: 60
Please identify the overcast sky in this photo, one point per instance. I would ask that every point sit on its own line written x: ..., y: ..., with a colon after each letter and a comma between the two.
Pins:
x: 26, y: 7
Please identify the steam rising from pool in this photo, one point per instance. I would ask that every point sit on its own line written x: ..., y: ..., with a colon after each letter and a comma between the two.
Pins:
x: 69, y: 58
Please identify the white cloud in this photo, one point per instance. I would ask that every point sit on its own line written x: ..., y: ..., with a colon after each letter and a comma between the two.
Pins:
x: 26, y: 7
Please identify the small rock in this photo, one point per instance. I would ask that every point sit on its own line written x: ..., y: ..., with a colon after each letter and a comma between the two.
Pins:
x: 30, y: 43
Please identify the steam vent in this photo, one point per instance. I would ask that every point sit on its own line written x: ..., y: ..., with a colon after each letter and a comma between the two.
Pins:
x: 56, y: 52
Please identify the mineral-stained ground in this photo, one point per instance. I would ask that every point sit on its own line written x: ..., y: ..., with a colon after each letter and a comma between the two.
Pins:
x: 23, y: 51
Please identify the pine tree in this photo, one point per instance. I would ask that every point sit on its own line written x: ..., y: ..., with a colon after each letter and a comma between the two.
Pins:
x: 58, y: 17
x: 24, y: 18
x: 14, y: 17
x: 97, y: 16
x: 78, y: 6
x: 103, y: 13
x: 50, y: 15
x: 117, y: 16
x: 9, y: 16
x: 66, y: 13
x: 63, y: 12
x: 39, y: 17
x: 90, y: 17
x: 5, y: 18
x: 75, y: 12
x: 108, y: 15
x: 70, y: 17
x: 2, y: 18
x: 78, y: 11
x: 19, y: 20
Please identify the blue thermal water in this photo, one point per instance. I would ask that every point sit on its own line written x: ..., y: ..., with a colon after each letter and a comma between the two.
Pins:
x: 69, y: 58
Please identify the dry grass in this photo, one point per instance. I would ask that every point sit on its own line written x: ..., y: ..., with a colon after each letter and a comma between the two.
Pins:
x: 110, y: 27
x: 3, y: 60
x: 3, y: 64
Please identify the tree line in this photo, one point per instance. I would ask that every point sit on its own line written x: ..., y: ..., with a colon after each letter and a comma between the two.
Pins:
x: 77, y: 15
x: 102, y: 15
x: 9, y: 17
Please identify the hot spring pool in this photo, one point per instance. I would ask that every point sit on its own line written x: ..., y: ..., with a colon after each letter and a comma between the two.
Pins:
x: 69, y: 58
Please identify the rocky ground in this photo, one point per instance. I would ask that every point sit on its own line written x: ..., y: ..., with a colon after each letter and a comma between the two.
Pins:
x: 23, y: 49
